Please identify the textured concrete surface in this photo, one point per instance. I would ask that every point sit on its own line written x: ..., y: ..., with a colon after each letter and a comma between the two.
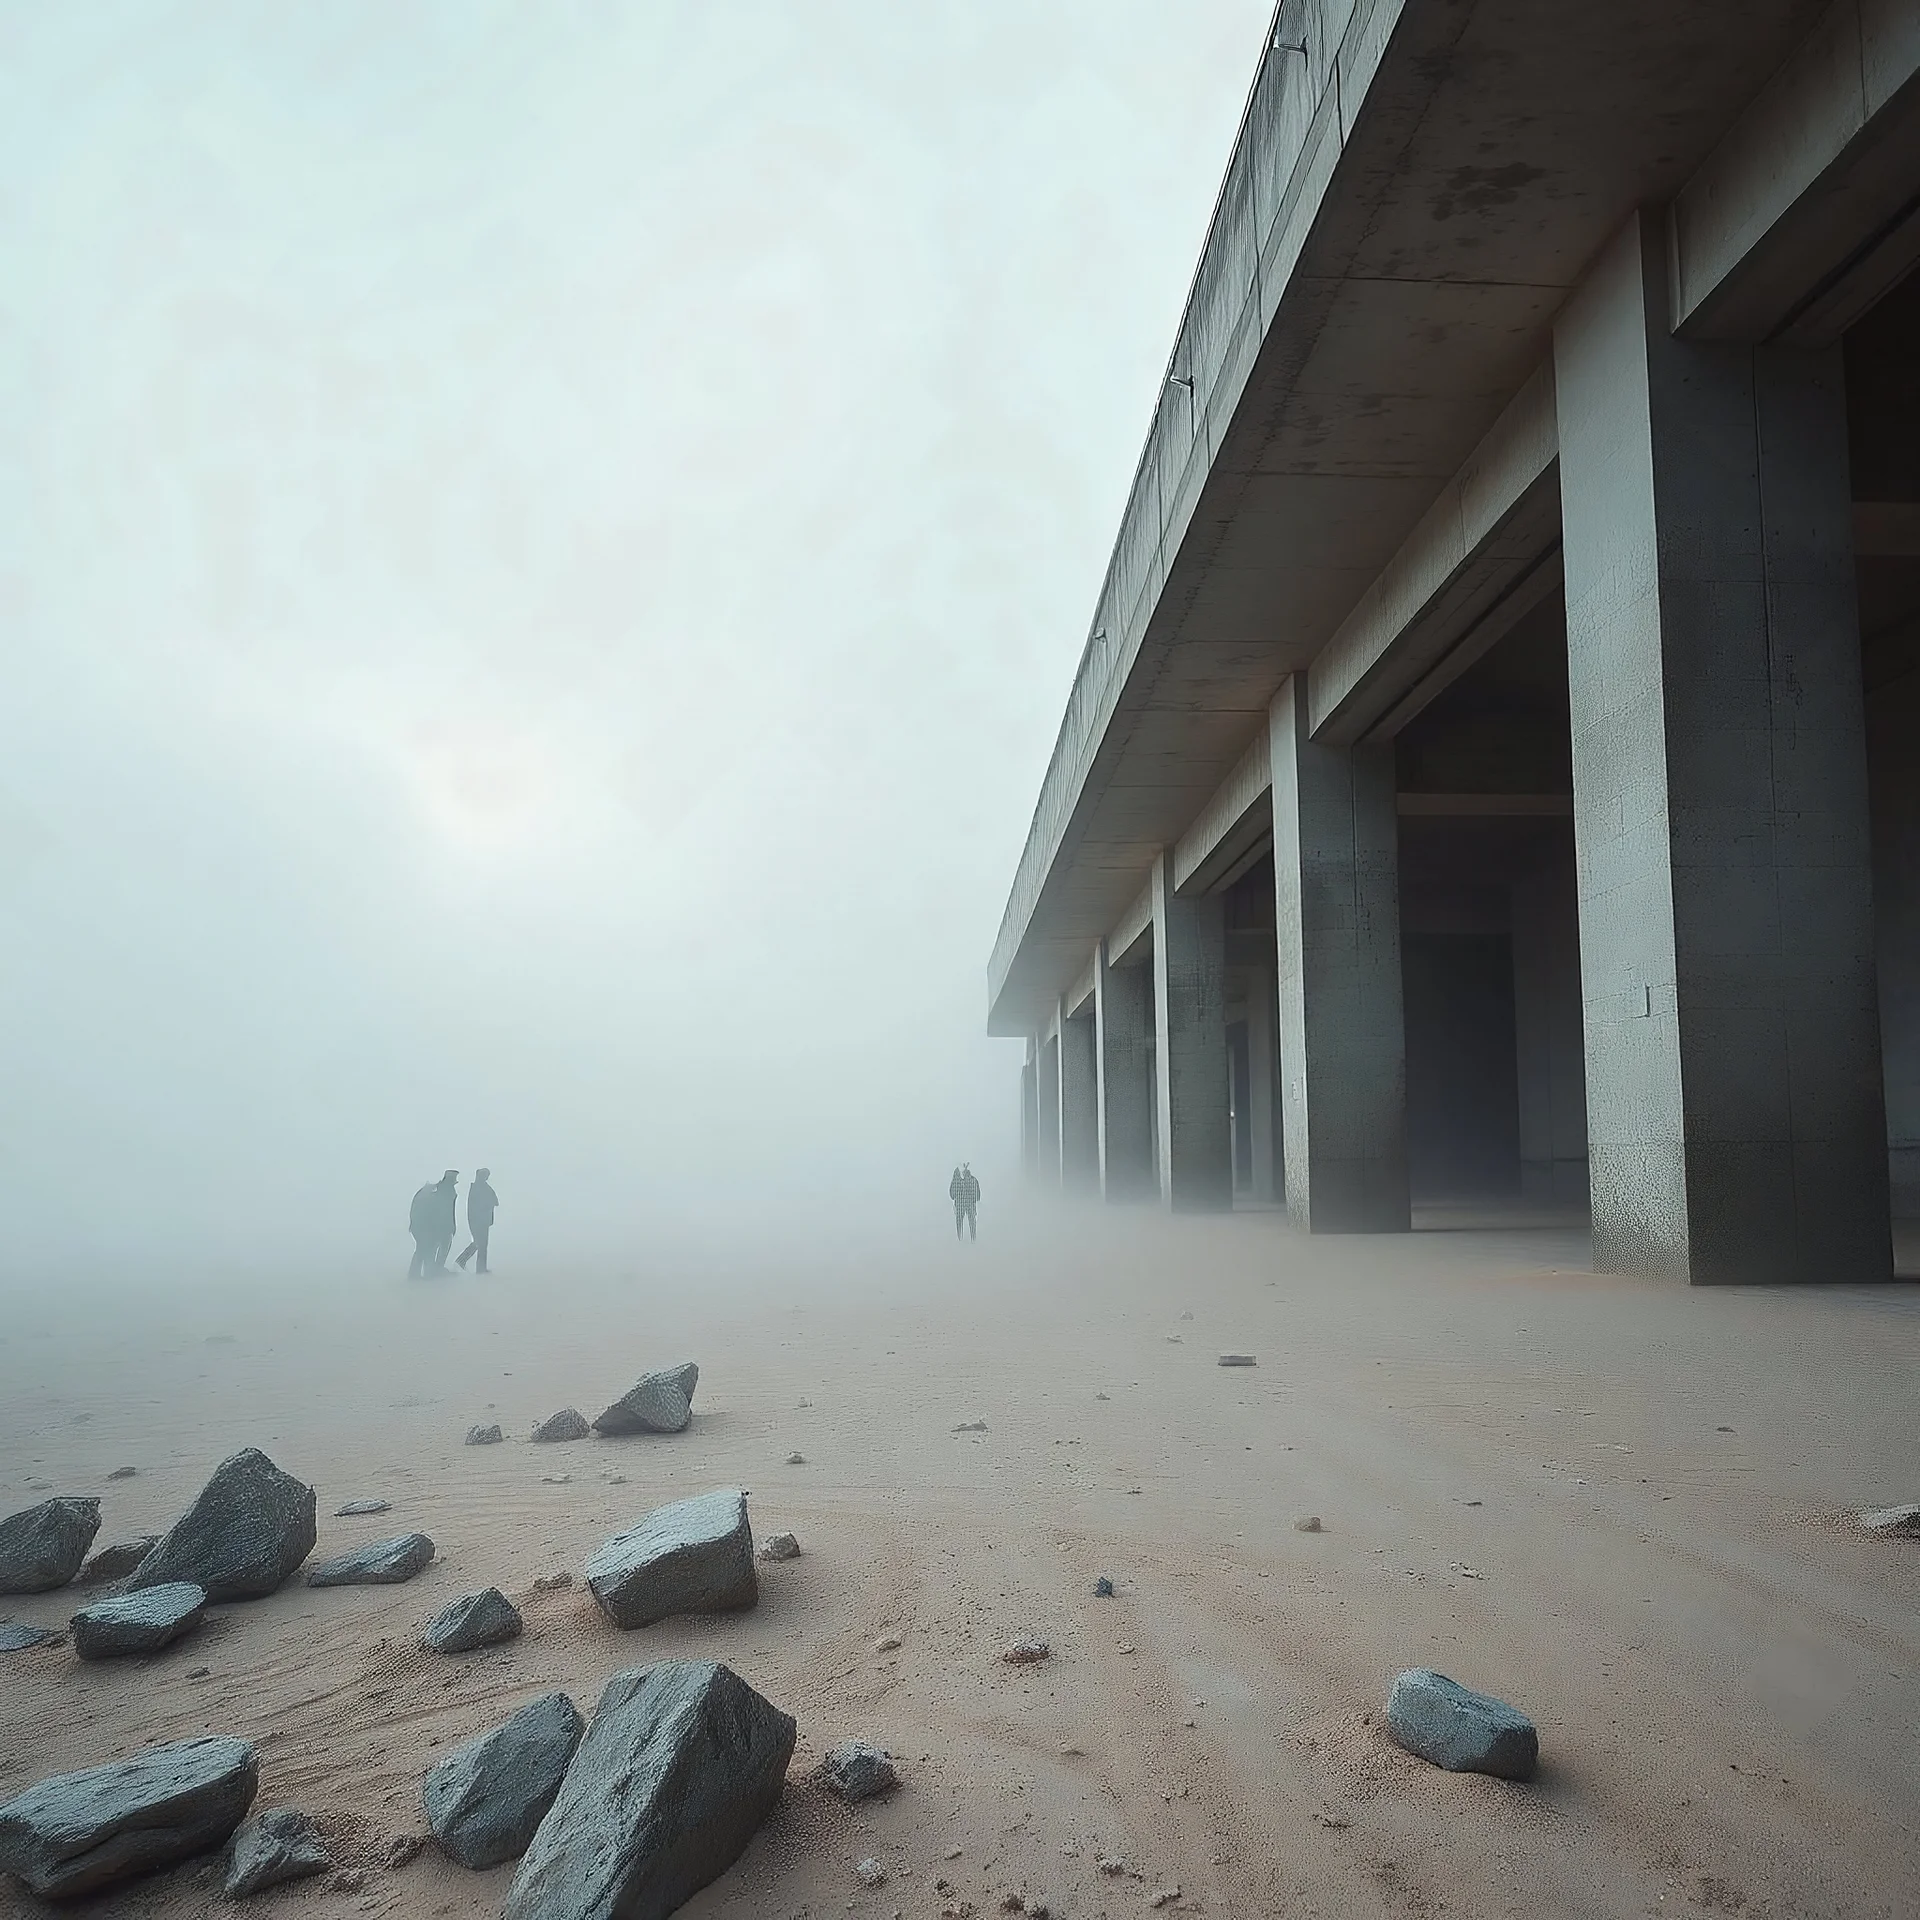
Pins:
x: 1079, y: 1109
x: 1123, y: 1040
x: 1190, y: 1037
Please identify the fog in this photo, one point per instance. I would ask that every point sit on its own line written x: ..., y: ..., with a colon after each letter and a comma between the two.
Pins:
x: 544, y: 548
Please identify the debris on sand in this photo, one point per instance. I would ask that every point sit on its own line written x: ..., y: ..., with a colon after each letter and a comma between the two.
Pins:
x: 1237, y: 1360
x: 1103, y: 1588
x: 872, y: 1873
x: 42, y: 1547
x: 487, y: 1436
x: 485, y: 1800
x: 271, y: 1849
x: 681, y: 1763
x: 568, y: 1424
x: 553, y: 1582
x: 656, y: 1403
x: 887, y: 1643
x: 123, y: 1473
x: 856, y: 1770
x: 115, y: 1562
x: 382, y: 1563
x: 971, y: 1426
x: 1308, y: 1523
x: 354, y: 1508
x: 480, y: 1619
x: 79, y: 1833
x: 403, y: 1850
x: 1165, y: 1897
x: 248, y: 1528
x: 142, y: 1622
x: 796, y: 1459
x: 780, y: 1546
x: 556, y: 1479
x: 16, y: 1636
x: 695, y: 1556
x: 1024, y: 1653
x: 1111, y: 1865
x: 1892, y: 1522
x: 1439, y: 1720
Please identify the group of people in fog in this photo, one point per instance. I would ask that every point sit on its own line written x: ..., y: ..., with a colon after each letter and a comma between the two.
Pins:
x: 433, y: 1216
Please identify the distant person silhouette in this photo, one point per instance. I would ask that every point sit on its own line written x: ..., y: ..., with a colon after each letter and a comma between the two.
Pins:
x: 482, y: 1204
x: 423, y: 1222
x: 964, y: 1191
x: 446, y: 1206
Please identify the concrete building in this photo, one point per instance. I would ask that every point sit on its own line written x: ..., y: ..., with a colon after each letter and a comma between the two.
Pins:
x: 1494, y: 765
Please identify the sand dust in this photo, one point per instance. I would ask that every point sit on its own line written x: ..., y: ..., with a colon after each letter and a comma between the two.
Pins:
x: 1624, y: 1507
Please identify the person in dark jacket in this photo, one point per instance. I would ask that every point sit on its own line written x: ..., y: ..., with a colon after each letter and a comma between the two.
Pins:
x: 482, y: 1204
x: 423, y: 1223
x: 964, y: 1191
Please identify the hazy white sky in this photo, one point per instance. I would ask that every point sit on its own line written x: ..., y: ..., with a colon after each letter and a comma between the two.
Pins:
x: 541, y: 551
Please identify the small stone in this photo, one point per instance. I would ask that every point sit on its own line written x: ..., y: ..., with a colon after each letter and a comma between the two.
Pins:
x: 1111, y: 1865
x: 123, y: 1473
x: 1165, y: 1897
x: 42, y: 1547
x: 362, y: 1506
x: 1439, y: 1720
x: 887, y: 1643
x: 694, y: 1556
x: 486, y: 1798
x: 1103, y: 1396
x: 384, y: 1563
x: 556, y: 1479
x: 1890, y: 1522
x: 796, y: 1459
x: 142, y: 1622
x: 568, y: 1424
x: 971, y: 1426
x: 1237, y: 1360
x: 1023, y: 1653
x: 553, y: 1582
x: 872, y: 1873
x: 403, y: 1850
x: 953, y: 1853
x: 480, y: 1619
x: 779, y: 1546
x: 1103, y: 1588
x: 1307, y: 1523
x: 199, y: 1673
x: 614, y: 1479
x: 857, y: 1771
x: 16, y: 1636
x: 115, y: 1562
x: 271, y: 1849
x: 487, y: 1436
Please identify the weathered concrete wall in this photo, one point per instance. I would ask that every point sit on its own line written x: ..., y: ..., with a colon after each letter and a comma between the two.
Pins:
x: 1735, y: 1121
x: 1122, y: 1000
x: 1342, y: 1037
x: 1549, y: 1053
x: 1189, y: 974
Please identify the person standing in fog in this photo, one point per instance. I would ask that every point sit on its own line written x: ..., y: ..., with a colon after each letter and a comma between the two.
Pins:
x: 964, y: 1191
x: 446, y: 1214
x: 482, y: 1204
x: 423, y: 1222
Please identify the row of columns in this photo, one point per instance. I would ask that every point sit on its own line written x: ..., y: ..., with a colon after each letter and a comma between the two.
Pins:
x: 1733, y: 1124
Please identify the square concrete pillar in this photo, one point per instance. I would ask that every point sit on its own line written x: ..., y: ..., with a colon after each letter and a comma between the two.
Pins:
x: 1343, y: 1052
x: 1030, y: 1112
x: 1047, y: 1089
x: 1123, y: 1058
x: 1735, y: 1119
x: 1262, y: 1058
x: 1190, y: 1005
x: 1079, y: 1116
x: 1547, y: 1045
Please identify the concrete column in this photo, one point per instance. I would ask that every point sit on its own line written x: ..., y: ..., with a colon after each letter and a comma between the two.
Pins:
x: 1079, y: 1116
x: 1734, y: 1111
x: 1261, y: 1060
x: 1893, y: 744
x: 1190, y: 1036
x: 1030, y: 1111
x: 1547, y: 1047
x: 1047, y: 1086
x: 1123, y: 1057
x: 1343, y: 1054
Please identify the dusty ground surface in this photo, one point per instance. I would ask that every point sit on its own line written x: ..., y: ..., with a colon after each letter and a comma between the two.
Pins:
x: 1623, y: 1506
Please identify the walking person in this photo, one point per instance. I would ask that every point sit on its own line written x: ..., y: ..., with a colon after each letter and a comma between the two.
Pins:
x: 446, y: 1210
x: 423, y: 1224
x: 964, y: 1191
x: 482, y: 1204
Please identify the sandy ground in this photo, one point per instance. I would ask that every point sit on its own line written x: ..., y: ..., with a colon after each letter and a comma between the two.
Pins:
x: 1624, y: 1507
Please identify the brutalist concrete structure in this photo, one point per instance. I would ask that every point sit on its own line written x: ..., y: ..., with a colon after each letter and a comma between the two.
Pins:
x: 1494, y: 765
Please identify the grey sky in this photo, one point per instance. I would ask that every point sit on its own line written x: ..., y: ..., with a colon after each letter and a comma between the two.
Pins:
x: 542, y: 549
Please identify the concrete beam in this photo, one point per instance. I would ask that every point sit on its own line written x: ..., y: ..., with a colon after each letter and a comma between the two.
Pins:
x: 1486, y: 535
x: 1805, y: 212
x: 1131, y: 930
x: 1077, y: 995
x: 1233, y: 822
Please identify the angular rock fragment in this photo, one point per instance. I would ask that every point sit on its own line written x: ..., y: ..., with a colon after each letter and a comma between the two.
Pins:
x: 115, y: 1562
x: 484, y: 1800
x: 680, y: 1765
x: 42, y: 1547
x: 247, y: 1530
x: 381, y: 1563
x: 1439, y: 1720
x: 1237, y: 1360
x: 76, y: 1833
x: 142, y: 1622
x: 1892, y: 1521
x: 480, y: 1619
x: 354, y: 1508
x: 856, y: 1771
x: 17, y: 1637
x: 657, y: 1403
x: 568, y: 1424
x: 695, y: 1556
x: 780, y: 1546
x: 123, y: 1473
x: 273, y: 1848
x: 1024, y: 1653
x: 488, y: 1436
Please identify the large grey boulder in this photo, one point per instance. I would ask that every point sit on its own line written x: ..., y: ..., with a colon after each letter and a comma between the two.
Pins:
x: 695, y: 1556
x: 77, y: 1833
x: 657, y: 1403
x: 380, y: 1563
x: 247, y: 1530
x: 681, y: 1764
x: 568, y: 1424
x: 476, y: 1620
x: 1466, y: 1732
x: 43, y: 1547
x: 142, y: 1622
x: 115, y: 1562
x: 484, y: 1800
x: 273, y: 1848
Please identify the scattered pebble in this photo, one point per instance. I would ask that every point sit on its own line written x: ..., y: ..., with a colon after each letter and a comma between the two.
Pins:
x: 857, y: 1770
x: 971, y: 1426
x: 1125, y: 1646
x: 553, y: 1582
x: 1111, y: 1865
x: 796, y: 1459
x: 888, y: 1643
x: 483, y: 1436
x: 199, y: 1673
x: 953, y: 1853
x: 1023, y: 1653
x: 1723, y: 1429
x: 1308, y: 1523
x: 123, y: 1473
x: 1103, y: 1588
x: 1237, y: 1360
x: 1103, y: 1396
x: 872, y: 1873
x: 1163, y: 1897
x: 362, y: 1506
x: 780, y: 1546
x: 556, y: 1479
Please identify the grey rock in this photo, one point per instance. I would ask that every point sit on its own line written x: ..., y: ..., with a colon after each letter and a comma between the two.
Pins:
x: 76, y: 1833
x: 354, y: 1508
x: 856, y: 1771
x: 484, y: 1800
x: 780, y: 1546
x: 273, y: 1848
x: 115, y: 1562
x: 1237, y: 1360
x: 488, y: 1436
x: 1437, y: 1719
x: 16, y: 1636
x: 403, y: 1850
x: 1026, y: 1653
x: 123, y: 1473
x: 695, y: 1556
x: 381, y: 1563
x: 42, y: 1548
x: 142, y: 1622
x: 568, y: 1424
x: 247, y: 1530
x: 1103, y: 1587
x: 1892, y: 1521
x: 681, y: 1764
x: 480, y: 1619
x: 655, y: 1404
